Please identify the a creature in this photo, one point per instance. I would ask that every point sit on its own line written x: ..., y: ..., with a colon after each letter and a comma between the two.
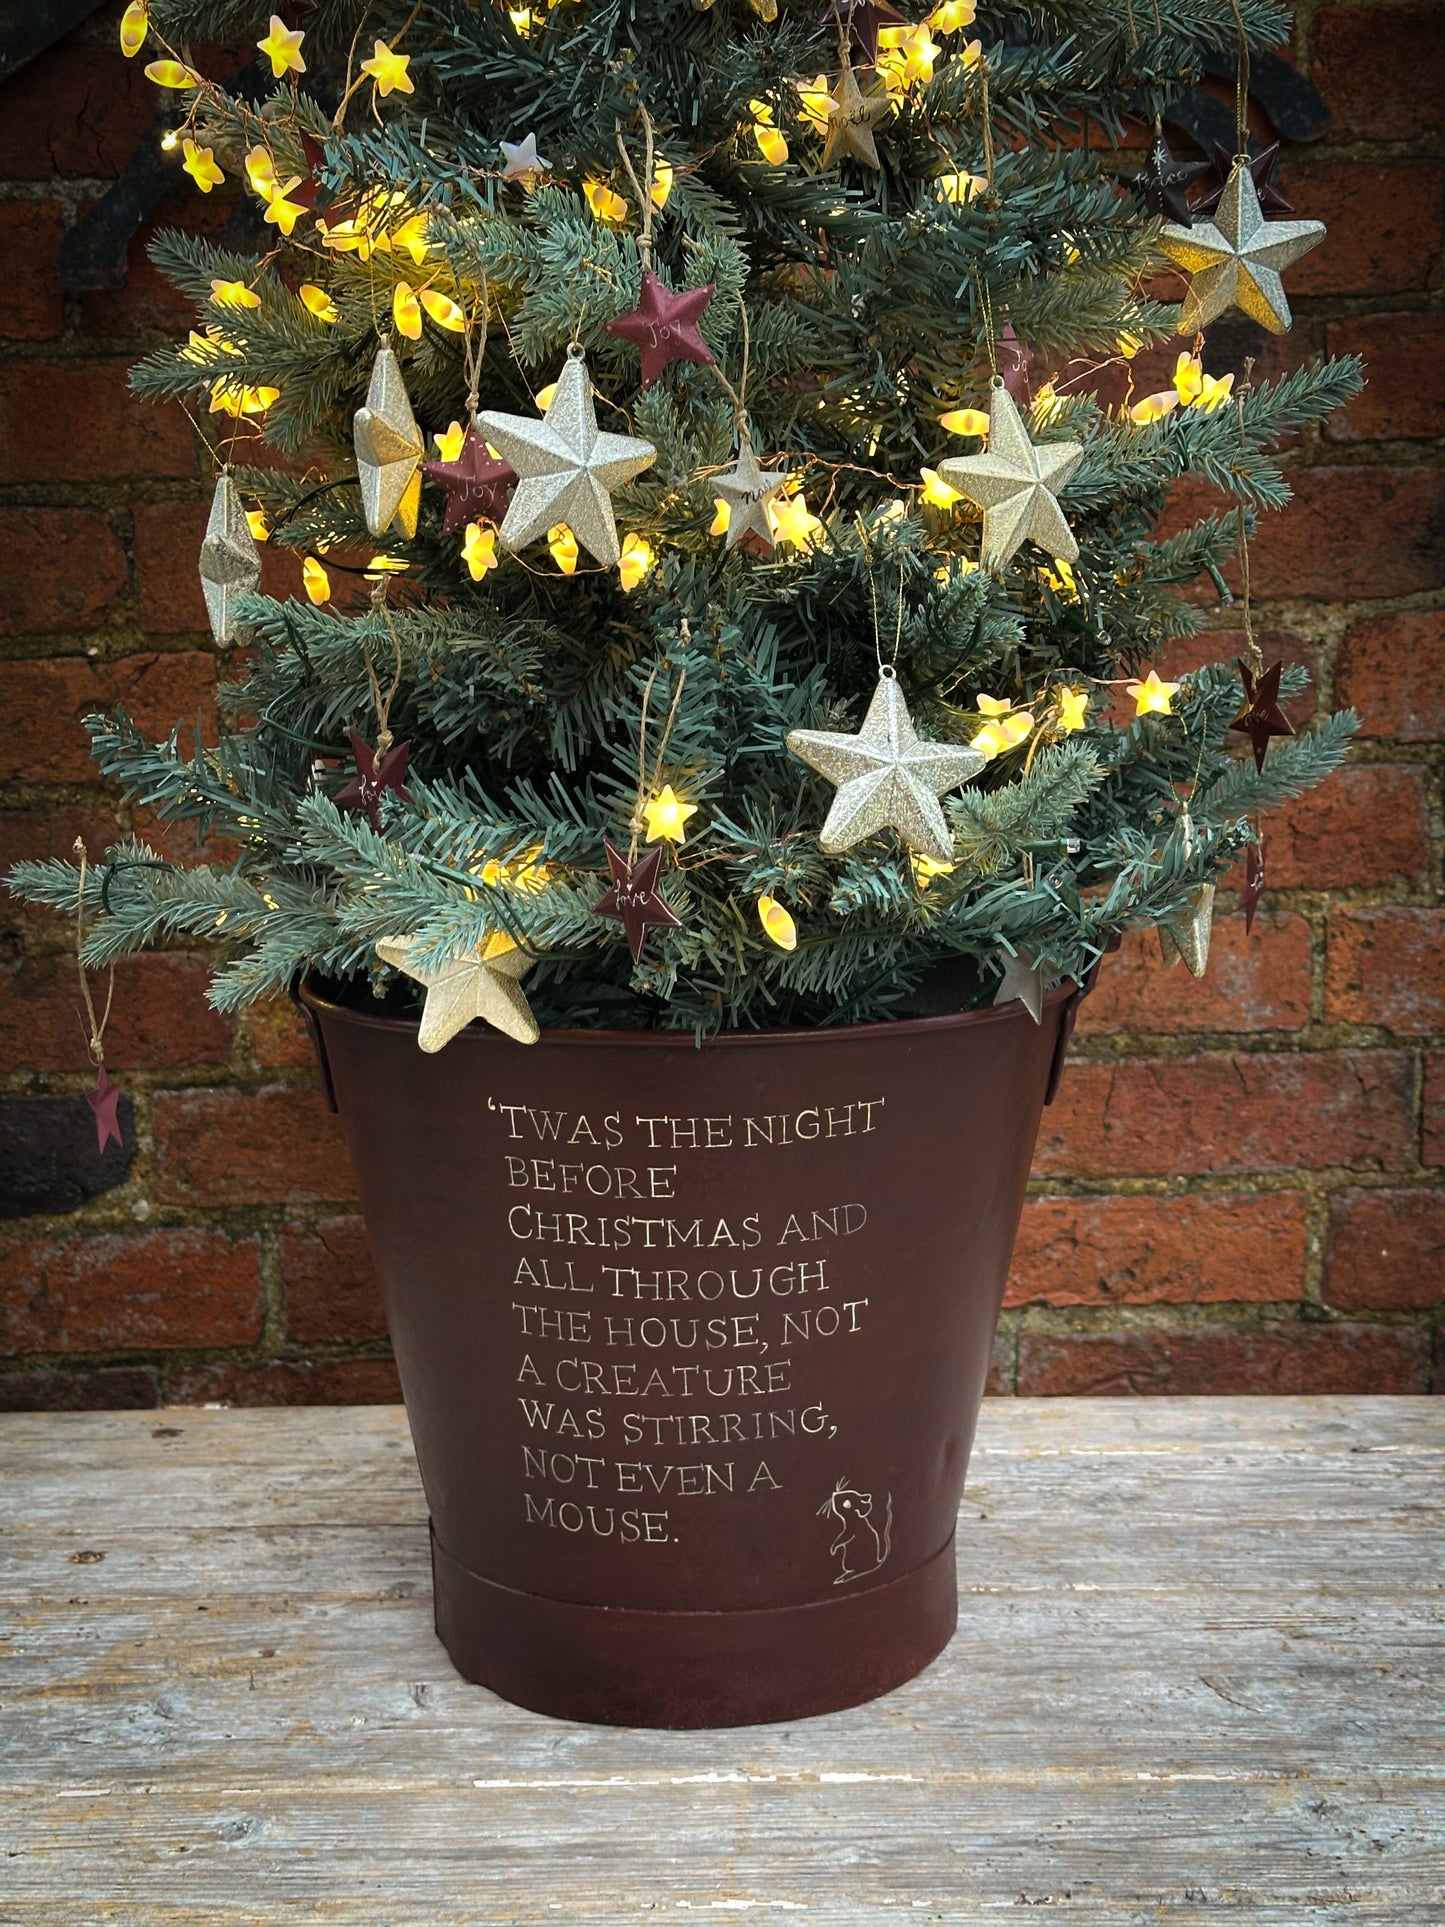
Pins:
x: 861, y: 1545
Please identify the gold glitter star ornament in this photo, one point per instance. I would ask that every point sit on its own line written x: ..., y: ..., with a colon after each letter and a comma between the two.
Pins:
x: 389, y: 449
x: 1235, y: 259
x: 1016, y: 482
x: 887, y: 778
x: 566, y: 466
x: 482, y: 984
x: 230, y: 560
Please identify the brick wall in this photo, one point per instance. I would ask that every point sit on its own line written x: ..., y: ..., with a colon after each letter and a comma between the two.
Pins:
x: 1242, y: 1184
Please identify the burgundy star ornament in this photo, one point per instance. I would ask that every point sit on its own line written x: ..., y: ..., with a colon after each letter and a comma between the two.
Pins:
x: 1261, y: 168
x: 104, y: 1100
x: 634, y: 899
x: 663, y: 326
x: 374, y: 774
x: 476, y: 483
x: 1253, y: 889
x: 1260, y: 715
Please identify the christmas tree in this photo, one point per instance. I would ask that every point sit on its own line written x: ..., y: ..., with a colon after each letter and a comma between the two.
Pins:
x: 756, y: 606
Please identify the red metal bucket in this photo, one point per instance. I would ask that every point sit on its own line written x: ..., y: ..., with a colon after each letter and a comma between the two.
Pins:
x: 693, y: 1341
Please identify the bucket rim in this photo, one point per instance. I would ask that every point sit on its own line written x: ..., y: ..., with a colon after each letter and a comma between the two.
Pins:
x: 475, y: 1034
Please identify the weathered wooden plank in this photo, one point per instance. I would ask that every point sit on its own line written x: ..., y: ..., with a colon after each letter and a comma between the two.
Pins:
x: 1199, y: 1671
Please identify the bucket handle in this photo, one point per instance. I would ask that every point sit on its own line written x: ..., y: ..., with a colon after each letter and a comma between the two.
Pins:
x: 295, y: 991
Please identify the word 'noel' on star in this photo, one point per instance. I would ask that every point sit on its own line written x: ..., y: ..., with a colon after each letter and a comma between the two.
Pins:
x: 1015, y: 482
x: 887, y: 777
x: 484, y: 983
x: 1236, y: 259
x: 748, y: 492
x: 852, y: 117
x: 566, y: 466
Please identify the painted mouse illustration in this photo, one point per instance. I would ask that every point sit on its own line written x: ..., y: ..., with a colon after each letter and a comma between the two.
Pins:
x: 859, y: 1542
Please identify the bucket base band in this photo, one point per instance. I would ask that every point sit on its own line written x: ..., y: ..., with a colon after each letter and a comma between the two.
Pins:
x: 619, y: 1666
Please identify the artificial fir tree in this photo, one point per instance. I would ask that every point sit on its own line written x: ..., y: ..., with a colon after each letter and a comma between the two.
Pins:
x: 715, y: 321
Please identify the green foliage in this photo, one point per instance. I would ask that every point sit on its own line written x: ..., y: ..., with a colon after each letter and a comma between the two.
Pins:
x: 851, y: 309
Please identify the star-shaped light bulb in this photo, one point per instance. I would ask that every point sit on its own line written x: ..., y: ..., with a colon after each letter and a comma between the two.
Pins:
x: 1152, y: 697
x: 666, y: 816
x: 282, y: 47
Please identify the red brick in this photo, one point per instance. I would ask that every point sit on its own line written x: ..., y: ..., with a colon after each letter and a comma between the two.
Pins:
x: 95, y: 430
x: 1268, y: 1358
x: 159, y: 1017
x: 148, y: 302
x: 331, y: 1290
x: 1151, y: 1251
x: 28, y: 836
x: 64, y: 569
x: 1259, y: 982
x: 249, y: 1147
x: 74, y: 110
x: 277, y: 1037
x: 1353, y: 532
x: 1275, y: 1111
x: 167, y: 547
x: 1433, y: 1146
x: 32, y: 301
x: 298, y: 1381
x: 1404, y: 392
x: 1387, y: 967
x: 1000, y: 1380
x: 1366, y: 824
x: 105, y: 1388
x: 1382, y: 70
x: 43, y: 703
x: 128, y: 1291
x: 1392, y: 669
x: 1383, y: 219
x: 1386, y: 1250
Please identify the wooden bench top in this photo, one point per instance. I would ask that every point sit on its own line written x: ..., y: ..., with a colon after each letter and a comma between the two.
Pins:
x: 1197, y: 1679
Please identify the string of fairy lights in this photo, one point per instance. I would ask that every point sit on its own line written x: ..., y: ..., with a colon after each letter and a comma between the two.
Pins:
x: 512, y: 482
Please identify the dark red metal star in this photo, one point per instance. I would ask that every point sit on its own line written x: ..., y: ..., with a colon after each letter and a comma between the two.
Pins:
x: 1253, y: 889
x: 476, y: 484
x: 634, y: 899
x: 863, y: 18
x: 1161, y: 180
x: 1261, y: 167
x: 663, y: 326
x: 1260, y: 715
x: 374, y: 774
x: 104, y: 1100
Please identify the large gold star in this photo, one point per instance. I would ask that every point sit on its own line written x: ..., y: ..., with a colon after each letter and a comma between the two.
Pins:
x: 1235, y: 260
x: 887, y: 777
x: 484, y: 984
x: 1015, y: 482
x: 389, y: 449
x: 567, y: 466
